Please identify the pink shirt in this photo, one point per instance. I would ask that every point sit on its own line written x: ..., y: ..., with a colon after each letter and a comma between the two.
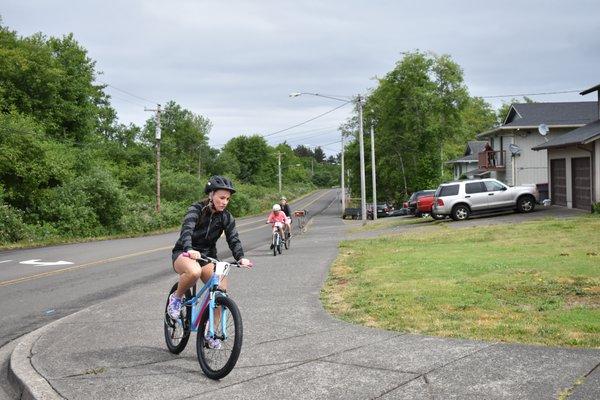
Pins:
x: 280, y: 217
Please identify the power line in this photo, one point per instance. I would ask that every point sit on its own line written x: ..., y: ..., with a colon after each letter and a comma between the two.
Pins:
x: 529, y: 94
x: 137, y: 103
x: 305, y: 122
x: 306, y: 137
x: 128, y: 93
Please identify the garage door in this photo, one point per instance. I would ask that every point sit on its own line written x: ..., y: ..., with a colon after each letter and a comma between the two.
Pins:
x: 558, y: 179
x: 581, y: 183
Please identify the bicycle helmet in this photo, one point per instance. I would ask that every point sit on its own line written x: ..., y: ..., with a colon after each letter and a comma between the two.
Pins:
x: 276, y: 207
x: 283, y: 198
x: 218, y: 182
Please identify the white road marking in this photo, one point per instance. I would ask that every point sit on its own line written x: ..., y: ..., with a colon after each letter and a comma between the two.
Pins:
x: 39, y: 263
x: 5, y: 261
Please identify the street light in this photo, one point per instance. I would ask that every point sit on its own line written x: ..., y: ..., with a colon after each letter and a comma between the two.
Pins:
x: 359, y: 100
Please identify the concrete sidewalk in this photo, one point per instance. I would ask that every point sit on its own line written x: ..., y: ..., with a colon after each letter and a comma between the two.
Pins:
x: 292, y: 349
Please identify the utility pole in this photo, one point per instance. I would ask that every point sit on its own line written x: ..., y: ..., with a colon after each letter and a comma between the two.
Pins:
x: 199, y: 162
x: 157, y: 137
x: 279, y: 165
x: 363, y: 191
x: 373, y: 173
x: 343, y: 185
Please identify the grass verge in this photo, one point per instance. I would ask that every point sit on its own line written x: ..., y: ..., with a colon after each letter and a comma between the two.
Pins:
x: 535, y: 282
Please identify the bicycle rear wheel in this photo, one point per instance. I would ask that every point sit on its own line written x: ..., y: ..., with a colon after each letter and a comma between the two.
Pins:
x: 177, y: 333
x: 218, y: 363
x: 288, y: 240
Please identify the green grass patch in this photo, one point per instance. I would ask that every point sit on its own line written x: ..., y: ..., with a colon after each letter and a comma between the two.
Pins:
x: 535, y: 282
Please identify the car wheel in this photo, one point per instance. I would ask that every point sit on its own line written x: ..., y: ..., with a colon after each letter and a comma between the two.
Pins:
x: 525, y: 204
x: 460, y: 213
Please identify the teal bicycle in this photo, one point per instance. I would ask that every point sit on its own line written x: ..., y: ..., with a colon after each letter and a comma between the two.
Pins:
x: 216, y: 319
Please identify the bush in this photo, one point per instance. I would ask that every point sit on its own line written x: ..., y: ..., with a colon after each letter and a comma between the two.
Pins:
x: 85, y: 206
x: 142, y: 217
x: 596, y: 208
x: 12, y: 227
x: 180, y: 187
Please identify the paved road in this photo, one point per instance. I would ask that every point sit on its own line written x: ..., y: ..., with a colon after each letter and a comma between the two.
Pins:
x: 292, y: 348
x: 36, y: 293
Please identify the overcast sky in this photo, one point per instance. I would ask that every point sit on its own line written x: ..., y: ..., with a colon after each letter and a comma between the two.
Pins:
x: 235, y: 62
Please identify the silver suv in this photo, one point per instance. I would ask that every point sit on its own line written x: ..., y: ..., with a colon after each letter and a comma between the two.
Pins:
x: 463, y: 198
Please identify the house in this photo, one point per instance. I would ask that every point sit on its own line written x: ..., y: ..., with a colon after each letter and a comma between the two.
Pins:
x: 573, y: 160
x: 511, y: 157
x: 468, y: 162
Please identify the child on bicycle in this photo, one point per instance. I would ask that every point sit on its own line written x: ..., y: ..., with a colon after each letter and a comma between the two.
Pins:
x: 285, y: 207
x: 277, y: 219
x: 202, y: 226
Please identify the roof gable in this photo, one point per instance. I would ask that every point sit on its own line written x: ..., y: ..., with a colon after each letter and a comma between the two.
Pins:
x: 474, y: 147
x: 512, y: 115
x: 552, y: 114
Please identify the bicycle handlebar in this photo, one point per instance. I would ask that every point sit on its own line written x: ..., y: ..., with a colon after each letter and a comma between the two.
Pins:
x: 214, y: 260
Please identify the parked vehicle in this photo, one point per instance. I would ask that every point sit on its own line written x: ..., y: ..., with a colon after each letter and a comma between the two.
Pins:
x: 461, y: 199
x: 382, y: 210
x: 352, y: 213
x: 425, y: 207
x: 398, y: 212
x: 412, y: 201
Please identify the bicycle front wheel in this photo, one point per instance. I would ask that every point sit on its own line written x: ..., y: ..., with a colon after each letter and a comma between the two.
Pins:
x: 177, y: 333
x: 218, y: 361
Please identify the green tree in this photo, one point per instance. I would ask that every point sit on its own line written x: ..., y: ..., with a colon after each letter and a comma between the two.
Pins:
x: 303, y: 151
x: 52, y: 80
x: 420, y: 112
x: 184, y: 138
x: 257, y: 160
x: 319, y: 154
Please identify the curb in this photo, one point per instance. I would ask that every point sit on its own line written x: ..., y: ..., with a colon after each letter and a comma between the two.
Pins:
x: 22, y: 374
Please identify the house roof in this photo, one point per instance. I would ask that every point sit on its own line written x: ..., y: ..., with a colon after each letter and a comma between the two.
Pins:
x: 590, y: 90
x: 471, y: 150
x: 583, y: 135
x: 560, y: 114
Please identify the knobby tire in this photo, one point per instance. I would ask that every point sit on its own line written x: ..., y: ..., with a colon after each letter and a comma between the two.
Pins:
x: 176, y: 335
x: 207, y: 356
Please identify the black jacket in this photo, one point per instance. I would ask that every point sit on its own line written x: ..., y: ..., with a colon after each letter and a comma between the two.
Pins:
x: 286, y: 209
x: 201, y: 229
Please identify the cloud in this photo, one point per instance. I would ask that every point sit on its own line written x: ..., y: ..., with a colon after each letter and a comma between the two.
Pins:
x: 236, y: 61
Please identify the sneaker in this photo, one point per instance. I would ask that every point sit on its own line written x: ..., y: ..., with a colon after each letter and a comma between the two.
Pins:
x: 174, y: 308
x: 212, y: 343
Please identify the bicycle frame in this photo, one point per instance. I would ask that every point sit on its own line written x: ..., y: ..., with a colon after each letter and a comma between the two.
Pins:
x: 208, y: 301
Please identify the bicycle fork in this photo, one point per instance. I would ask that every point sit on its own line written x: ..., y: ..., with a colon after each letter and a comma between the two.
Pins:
x: 210, y: 302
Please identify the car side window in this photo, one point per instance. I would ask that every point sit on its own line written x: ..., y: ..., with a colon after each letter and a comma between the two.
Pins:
x: 449, y: 190
x: 493, y: 186
x: 474, y: 187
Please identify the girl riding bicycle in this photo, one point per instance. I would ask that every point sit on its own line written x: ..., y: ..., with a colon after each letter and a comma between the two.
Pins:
x: 277, y: 219
x: 203, y: 224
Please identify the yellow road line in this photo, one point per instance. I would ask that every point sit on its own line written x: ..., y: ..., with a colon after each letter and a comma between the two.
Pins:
x: 107, y: 260
x: 58, y: 271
